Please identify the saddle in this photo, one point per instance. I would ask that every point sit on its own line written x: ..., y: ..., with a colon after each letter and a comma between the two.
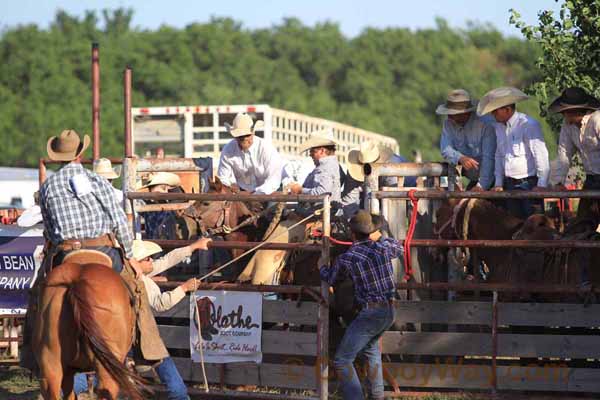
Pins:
x: 88, y: 256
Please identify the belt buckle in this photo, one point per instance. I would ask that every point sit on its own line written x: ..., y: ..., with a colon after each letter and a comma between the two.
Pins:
x: 76, y: 245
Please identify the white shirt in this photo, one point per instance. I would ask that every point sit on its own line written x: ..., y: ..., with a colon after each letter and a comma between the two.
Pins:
x: 585, y: 140
x: 256, y: 170
x: 521, y: 150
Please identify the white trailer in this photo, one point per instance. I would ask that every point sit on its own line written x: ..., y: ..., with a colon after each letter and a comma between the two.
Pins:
x: 199, y: 131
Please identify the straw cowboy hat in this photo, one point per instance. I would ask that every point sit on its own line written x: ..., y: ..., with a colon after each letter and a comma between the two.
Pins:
x: 143, y: 249
x: 103, y: 167
x: 67, y: 146
x: 458, y: 102
x: 368, y: 152
x: 243, y: 125
x: 498, y: 98
x: 363, y: 222
x: 163, y: 178
x: 322, y: 138
x: 574, y: 98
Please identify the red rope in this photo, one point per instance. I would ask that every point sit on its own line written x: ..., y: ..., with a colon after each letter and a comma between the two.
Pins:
x: 410, y: 233
x: 317, y: 233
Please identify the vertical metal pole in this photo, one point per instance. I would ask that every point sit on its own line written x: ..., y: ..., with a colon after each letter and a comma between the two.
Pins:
x: 494, y: 342
x: 371, y: 185
x: 41, y: 172
x: 96, y: 100
x: 451, y: 177
x: 127, y: 111
x: 323, y: 319
x: 129, y: 181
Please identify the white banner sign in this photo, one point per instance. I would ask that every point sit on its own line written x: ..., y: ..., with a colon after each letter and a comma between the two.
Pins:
x: 226, y: 326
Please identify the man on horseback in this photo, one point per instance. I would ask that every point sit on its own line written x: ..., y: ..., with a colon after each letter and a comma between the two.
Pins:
x: 521, y: 154
x: 368, y: 263
x: 247, y: 162
x: 579, y: 133
x: 467, y: 140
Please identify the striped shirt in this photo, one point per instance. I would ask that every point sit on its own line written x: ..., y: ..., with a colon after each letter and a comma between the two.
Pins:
x: 369, y: 265
x: 91, y: 213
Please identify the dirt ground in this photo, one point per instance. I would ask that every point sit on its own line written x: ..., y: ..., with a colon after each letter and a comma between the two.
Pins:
x: 15, y: 384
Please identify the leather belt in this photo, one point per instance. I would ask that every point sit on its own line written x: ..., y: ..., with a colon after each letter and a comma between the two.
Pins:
x: 76, y: 244
x: 518, y: 181
x: 378, y: 304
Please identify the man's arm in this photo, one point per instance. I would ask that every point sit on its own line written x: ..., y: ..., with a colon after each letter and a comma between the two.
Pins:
x: 337, y: 270
x: 225, y: 170
x: 176, y: 256
x: 538, y: 148
x: 273, y: 163
x: 162, y: 301
x: 488, y: 152
x: 565, y: 152
x: 323, y: 184
x: 106, y: 196
x: 499, y: 163
x: 450, y: 154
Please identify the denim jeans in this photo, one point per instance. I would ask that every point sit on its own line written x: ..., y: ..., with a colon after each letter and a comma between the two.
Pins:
x: 523, y: 208
x: 167, y: 372
x: 362, y: 336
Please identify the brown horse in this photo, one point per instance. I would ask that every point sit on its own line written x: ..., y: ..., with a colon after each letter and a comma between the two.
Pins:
x: 85, y: 322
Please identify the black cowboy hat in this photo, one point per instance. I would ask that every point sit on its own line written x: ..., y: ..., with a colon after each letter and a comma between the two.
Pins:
x: 574, y: 98
x: 364, y: 222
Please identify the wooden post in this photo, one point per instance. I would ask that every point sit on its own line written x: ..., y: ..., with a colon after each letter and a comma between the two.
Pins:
x: 323, y: 318
x: 96, y: 100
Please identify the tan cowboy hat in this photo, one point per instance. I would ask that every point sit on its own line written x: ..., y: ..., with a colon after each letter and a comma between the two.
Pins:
x: 67, y: 146
x: 574, y: 98
x: 500, y: 97
x: 243, y: 125
x: 368, y: 152
x: 322, y: 138
x: 458, y: 102
x: 103, y: 167
x: 143, y: 249
x: 364, y: 222
x: 163, y: 178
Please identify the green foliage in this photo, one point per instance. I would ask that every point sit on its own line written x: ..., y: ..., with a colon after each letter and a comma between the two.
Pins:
x: 386, y: 80
x: 570, y: 50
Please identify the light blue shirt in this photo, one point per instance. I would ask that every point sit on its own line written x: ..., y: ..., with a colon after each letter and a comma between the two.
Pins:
x: 521, y: 150
x: 477, y: 140
x: 325, y: 178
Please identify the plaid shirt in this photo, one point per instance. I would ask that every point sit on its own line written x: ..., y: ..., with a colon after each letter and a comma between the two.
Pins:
x: 67, y: 216
x: 369, y: 264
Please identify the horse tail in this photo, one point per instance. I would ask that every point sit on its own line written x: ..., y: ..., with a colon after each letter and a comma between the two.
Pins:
x: 131, y: 383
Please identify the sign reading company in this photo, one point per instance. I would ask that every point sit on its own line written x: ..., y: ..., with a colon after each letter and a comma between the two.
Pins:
x: 226, y: 326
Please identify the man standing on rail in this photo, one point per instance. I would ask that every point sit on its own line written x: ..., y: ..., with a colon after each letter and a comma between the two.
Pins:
x: 580, y: 132
x: 467, y: 140
x: 248, y: 162
x: 368, y: 263
x: 521, y: 154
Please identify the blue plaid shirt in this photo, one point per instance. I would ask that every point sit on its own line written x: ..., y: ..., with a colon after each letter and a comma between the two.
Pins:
x: 369, y: 265
x: 68, y: 216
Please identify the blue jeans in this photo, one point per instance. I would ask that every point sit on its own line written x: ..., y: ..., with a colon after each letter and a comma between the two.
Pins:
x: 523, y: 208
x: 362, y: 336
x: 167, y: 372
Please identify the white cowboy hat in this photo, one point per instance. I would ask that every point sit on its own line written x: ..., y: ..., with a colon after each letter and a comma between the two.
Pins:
x: 368, y: 152
x: 67, y: 146
x: 243, y: 125
x: 163, y: 178
x: 500, y: 97
x: 142, y: 249
x: 322, y: 138
x: 103, y: 167
x: 458, y: 102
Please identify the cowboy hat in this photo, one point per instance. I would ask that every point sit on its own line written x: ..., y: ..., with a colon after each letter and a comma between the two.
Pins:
x: 143, y: 249
x: 243, y: 125
x: 67, y: 146
x: 368, y: 152
x: 498, y: 98
x: 322, y: 138
x: 103, y: 167
x: 363, y: 222
x: 458, y: 102
x: 574, y: 98
x: 163, y: 178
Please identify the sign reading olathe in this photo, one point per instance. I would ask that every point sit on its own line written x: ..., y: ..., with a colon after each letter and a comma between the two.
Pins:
x: 226, y: 326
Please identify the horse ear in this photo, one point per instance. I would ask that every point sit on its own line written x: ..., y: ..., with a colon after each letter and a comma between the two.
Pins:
x: 216, y: 185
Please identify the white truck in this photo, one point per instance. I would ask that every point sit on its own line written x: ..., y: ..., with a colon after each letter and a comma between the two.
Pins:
x: 199, y: 131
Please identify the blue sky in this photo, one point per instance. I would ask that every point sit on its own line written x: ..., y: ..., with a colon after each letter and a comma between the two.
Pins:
x: 352, y: 15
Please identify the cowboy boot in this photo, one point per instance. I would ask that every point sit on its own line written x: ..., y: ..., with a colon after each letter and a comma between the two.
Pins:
x: 206, y: 328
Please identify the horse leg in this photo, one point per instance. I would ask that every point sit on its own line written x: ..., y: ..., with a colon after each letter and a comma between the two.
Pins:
x: 52, y: 375
x: 67, y: 385
x: 108, y: 389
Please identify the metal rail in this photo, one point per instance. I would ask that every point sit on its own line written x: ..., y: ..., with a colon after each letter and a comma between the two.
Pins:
x: 170, y: 244
x: 96, y: 100
x: 512, y: 194
x: 226, y: 197
x: 499, y: 287
x: 498, y: 244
